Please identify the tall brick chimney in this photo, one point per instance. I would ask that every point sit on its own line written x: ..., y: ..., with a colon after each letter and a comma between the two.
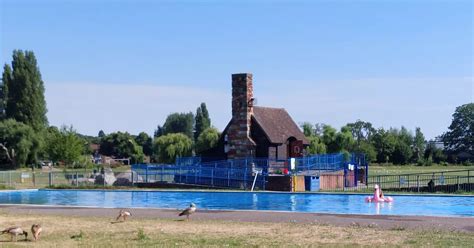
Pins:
x: 239, y: 141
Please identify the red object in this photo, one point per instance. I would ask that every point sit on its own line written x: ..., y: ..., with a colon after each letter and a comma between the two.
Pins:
x: 285, y: 171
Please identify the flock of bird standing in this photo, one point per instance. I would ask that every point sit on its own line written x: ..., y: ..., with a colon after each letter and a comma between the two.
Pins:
x: 36, y: 229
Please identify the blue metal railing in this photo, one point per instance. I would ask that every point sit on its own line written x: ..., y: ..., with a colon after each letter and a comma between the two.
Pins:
x: 239, y: 173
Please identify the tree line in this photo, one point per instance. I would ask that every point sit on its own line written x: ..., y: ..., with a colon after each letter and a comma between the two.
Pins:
x: 397, y: 145
x: 27, y: 137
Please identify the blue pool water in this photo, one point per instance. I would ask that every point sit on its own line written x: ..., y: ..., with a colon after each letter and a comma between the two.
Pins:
x: 311, y: 203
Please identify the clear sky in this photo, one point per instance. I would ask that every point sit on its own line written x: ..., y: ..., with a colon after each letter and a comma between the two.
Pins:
x: 125, y: 65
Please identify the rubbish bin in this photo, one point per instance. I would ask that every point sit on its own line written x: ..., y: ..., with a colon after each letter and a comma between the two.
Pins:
x: 312, y: 183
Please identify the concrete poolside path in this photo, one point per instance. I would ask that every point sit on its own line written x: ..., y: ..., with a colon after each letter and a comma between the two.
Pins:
x: 464, y: 224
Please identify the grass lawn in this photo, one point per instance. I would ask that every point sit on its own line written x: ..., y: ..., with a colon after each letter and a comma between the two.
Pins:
x: 62, y: 231
x: 376, y: 169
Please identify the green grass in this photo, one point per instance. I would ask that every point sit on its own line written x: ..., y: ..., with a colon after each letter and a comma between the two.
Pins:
x: 377, y: 169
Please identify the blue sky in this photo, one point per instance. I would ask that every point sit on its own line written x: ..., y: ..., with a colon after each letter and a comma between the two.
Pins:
x: 125, y: 65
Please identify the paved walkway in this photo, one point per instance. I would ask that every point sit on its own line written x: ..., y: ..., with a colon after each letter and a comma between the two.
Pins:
x: 464, y: 224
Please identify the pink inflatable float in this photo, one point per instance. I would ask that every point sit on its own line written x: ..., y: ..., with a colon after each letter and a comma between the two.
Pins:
x: 377, y: 198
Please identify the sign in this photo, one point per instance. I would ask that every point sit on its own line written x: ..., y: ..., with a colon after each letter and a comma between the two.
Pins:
x: 292, y: 163
x: 25, y: 175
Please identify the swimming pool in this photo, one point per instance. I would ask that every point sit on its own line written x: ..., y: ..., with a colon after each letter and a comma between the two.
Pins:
x: 311, y: 203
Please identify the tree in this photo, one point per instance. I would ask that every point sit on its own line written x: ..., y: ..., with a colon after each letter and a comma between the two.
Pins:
x: 418, y: 145
x: 207, y: 140
x: 25, y: 99
x: 64, y: 145
x: 146, y: 142
x: 402, y: 152
x: 329, y: 139
x: 121, y: 145
x: 361, y: 131
x: 158, y: 131
x: 101, y: 134
x: 203, y: 121
x: 168, y: 147
x: 19, y: 145
x: 316, y: 145
x: 6, y: 80
x: 460, y: 137
x: 307, y: 129
x: 179, y: 123
x: 384, y: 144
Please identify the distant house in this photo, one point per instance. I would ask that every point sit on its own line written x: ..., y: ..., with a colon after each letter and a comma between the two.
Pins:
x: 255, y: 131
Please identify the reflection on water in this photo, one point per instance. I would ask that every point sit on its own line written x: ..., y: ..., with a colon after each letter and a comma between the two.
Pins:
x: 316, y: 203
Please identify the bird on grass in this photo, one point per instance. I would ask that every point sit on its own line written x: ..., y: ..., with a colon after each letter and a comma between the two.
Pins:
x: 14, y: 232
x: 36, y: 230
x: 188, y: 211
x: 123, y: 215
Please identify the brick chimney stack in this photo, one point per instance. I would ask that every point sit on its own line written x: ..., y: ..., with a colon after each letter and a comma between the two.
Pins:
x: 241, y: 144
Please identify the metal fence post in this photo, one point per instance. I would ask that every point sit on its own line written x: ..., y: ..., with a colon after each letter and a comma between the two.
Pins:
x: 418, y: 183
x: 50, y: 179
x: 212, y: 177
x: 457, y: 183
x: 399, y: 182
x: 77, y: 179
x: 146, y: 174
x: 468, y: 183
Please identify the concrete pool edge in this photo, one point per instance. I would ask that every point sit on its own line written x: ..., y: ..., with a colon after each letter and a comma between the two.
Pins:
x: 392, y: 222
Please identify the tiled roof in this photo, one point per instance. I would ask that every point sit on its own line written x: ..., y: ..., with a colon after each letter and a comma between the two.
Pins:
x: 277, y: 124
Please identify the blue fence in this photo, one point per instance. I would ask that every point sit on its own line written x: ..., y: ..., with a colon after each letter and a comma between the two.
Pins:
x: 240, y: 173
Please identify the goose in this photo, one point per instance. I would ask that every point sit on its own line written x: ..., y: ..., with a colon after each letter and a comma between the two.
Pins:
x: 36, y: 230
x: 188, y: 211
x: 123, y: 214
x: 14, y: 232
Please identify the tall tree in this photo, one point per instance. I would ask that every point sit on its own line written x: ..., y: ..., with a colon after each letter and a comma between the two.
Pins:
x: 179, y: 123
x: 101, y: 134
x: 207, y: 139
x: 158, y: 132
x: 25, y: 99
x: 460, y: 137
x: 418, y: 145
x: 203, y: 121
x: 168, y: 147
x: 6, y: 80
x: 146, y: 142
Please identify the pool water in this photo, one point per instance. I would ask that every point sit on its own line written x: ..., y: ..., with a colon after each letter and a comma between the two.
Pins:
x: 308, y: 203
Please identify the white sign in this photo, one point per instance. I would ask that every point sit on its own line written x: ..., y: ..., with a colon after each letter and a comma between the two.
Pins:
x: 292, y: 163
x: 25, y: 175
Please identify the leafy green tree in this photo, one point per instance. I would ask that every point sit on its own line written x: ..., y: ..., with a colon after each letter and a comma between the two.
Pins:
x: 361, y: 131
x: 146, y: 142
x: 158, y: 132
x: 329, y: 139
x: 207, y: 140
x: 121, y: 145
x: 101, y: 134
x: 316, y: 145
x: 179, y: 123
x: 25, y: 99
x: 203, y: 121
x: 434, y: 154
x: 307, y: 129
x: 460, y: 137
x: 402, y: 152
x: 64, y: 145
x: 6, y: 80
x: 384, y: 144
x: 418, y: 145
x: 19, y: 145
x: 168, y: 147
